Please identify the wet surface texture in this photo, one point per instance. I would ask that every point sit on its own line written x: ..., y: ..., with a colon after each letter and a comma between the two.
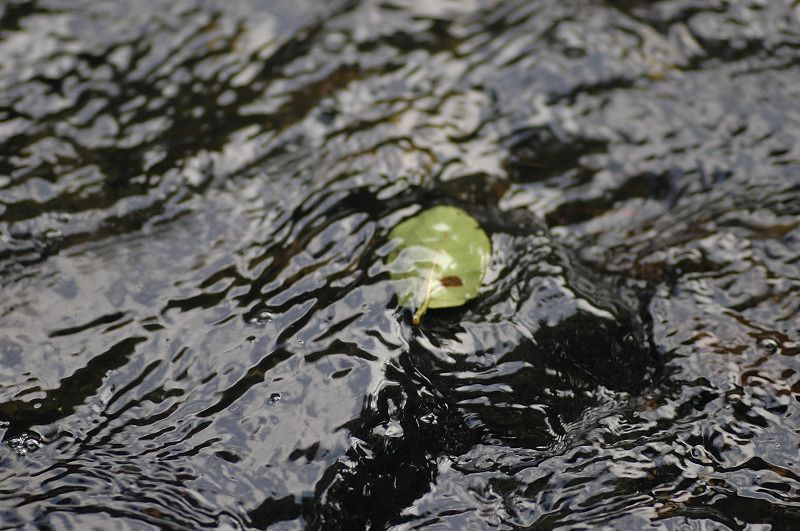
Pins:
x: 197, y: 327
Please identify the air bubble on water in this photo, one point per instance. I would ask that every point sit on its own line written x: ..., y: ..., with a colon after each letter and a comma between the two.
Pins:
x: 768, y: 344
x: 24, y: 443
x: 429, y: 418
x: 261, y: 318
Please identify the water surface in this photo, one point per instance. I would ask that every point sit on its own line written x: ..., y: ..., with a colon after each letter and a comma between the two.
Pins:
x: 197, y: 328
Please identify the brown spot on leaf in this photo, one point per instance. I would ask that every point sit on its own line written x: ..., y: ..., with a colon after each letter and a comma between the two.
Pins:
x: 451, y: 282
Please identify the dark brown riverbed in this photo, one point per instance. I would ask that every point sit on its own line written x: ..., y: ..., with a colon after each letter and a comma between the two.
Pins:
x: 197, y: 328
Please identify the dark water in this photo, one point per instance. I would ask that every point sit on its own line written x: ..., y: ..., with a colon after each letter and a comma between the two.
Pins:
x: 196, y: 326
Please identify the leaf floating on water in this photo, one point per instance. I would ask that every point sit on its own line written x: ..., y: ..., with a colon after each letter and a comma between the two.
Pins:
x: 441, y: 259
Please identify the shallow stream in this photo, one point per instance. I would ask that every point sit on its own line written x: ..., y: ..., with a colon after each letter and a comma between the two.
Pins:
x: 197, y: 328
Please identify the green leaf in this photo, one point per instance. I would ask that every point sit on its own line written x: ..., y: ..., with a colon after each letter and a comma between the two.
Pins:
x: 440, y: 260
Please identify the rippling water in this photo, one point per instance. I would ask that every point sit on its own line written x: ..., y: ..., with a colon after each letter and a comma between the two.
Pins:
x: 197, y: 328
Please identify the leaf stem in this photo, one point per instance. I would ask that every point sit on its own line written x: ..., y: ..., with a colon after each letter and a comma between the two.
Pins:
x: 422, y: 309
x: 420, y: 312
